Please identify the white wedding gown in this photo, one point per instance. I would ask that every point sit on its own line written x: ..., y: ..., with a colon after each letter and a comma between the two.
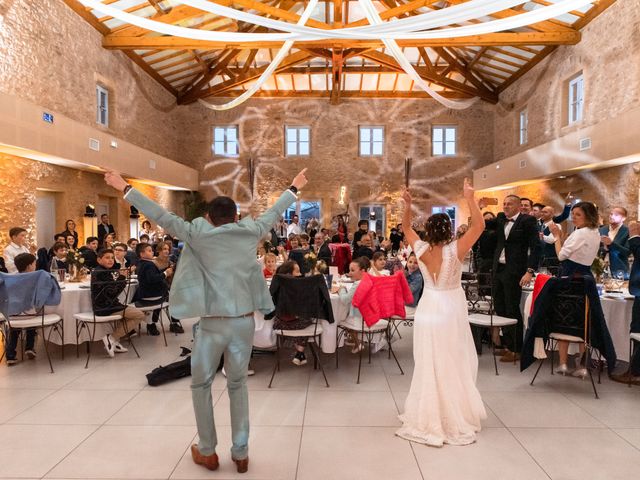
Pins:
x: 444, y: 405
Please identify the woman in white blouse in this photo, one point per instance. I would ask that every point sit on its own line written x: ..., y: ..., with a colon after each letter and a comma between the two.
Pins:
x: 576, y: 255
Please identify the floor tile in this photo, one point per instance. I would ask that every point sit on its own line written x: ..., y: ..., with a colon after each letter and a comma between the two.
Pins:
x: 267, y: 408
x: 372, y: 378
x: 117, y: 374
x: 15, y: 401
x: 334, y: 408
x: 496, y: 454
x: 68, y: 407
x: 158, y: 407
x: 127, y: 452
x: 614, y: 409
x: 273, y: 454
x: 579, y: 453
x: 538, y: 410
x: 32, y: 450
x: 350, y: 453
x: 631, y: 435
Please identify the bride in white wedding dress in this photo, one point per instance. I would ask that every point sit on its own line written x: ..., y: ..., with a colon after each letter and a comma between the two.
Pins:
x: 443, y: 405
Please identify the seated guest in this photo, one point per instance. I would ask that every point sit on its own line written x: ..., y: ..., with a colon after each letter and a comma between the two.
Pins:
x: 24, y: 262
x: 59, y: 260
x: 70, y: 230
x: 357, y: 268
x: 17, y: 246
x: 321, y: 248
x: 109, y: 240
x: 363, y: 229
x: 282, y: 255
x: 404, y: 249
x: 89, y: 254
x: 58, y: 237
x: 375, y: 241
x: 351, y: 239
x: 131, y: 256
x: 3, y: 267
x: 153, y: 288
x: 270, y: 262
x: 292, y: 323
x: 72, y: 243
x: 120, y: 252
x: 294, y: 242
x: 414, y: 279
x: 304, y: 241
x: 378, y: 262
x: 576, y: 255
x: 163, y: 257
x: 364, y: 250
x: 101, y: 278
x: 615, y: 242
x: 144, y: 238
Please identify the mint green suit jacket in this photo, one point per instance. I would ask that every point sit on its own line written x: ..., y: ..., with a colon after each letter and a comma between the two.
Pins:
x: 217, y: 274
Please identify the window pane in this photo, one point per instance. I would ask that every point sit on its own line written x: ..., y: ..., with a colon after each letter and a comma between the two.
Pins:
x: 365, y: 148
x: 291, y: 135
x: 377, y: 148
x: 303, y: 134
x: 304, y: 148
x: 218, y: 134
x: 450, y: 135
x: 219, y: 148
x: 232, y: 148
x: 232, y: 133
x: 377, y: 134
x: 437, y: 148
x: 450, y: 148
x: 437, y: 134
x: 292, y: 148
x: 365, y: 134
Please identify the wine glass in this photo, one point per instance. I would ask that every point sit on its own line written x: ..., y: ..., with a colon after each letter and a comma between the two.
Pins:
x: 618, y: 279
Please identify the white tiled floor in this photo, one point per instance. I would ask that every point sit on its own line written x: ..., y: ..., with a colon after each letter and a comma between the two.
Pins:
x: 107, y: 423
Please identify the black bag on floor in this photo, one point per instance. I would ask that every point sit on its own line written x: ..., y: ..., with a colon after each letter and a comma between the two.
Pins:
x: 173, y: 371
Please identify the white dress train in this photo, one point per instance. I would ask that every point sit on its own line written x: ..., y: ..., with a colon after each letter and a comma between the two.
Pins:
x: 443, y: 405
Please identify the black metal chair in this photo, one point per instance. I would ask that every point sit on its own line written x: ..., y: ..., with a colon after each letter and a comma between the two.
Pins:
x: 481, y: 308
x: 633, y: 339
x: 109, y: 294
x: 569, y: 320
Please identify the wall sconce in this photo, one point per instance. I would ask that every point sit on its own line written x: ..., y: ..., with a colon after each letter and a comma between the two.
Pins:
x: 90, y: 221
x: 134, y: 222
x: 343, y: 193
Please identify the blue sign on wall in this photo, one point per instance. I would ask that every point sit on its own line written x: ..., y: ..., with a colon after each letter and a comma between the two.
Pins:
x: 47, y: 117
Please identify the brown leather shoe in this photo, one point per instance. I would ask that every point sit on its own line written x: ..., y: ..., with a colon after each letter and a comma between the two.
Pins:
x: 500, y: 351
x: 625, y: 377
x: 243, y: 465
x: 207, y: 461
x: 510, y: 357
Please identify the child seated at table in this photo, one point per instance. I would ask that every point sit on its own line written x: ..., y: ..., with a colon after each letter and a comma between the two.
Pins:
x: 153, y: 288
x: 270, y: 265
x: 59, y: 260
x: 415, y: 281
x: 378, y: 262
x: 357, y: 268
x: 24, y: 263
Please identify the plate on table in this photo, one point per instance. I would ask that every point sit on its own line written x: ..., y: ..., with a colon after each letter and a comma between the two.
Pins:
x: 618, y: 295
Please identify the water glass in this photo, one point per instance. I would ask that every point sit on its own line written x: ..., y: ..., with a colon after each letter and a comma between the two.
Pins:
x: 62, y: 273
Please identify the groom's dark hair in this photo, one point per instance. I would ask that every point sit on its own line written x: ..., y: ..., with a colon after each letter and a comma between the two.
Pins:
x: 222, y: 210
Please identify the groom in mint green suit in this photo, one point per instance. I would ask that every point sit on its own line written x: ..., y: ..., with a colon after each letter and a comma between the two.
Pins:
x: 218, y: 280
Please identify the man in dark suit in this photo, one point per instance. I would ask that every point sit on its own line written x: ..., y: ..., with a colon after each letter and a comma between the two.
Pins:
x: 633, y: 373
x: 615, y: 241
x: 321, y: 248
x: 514, y: 263
x: 104, y: 228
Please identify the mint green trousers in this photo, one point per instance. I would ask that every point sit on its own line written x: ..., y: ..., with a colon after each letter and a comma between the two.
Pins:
x: 214, y: 337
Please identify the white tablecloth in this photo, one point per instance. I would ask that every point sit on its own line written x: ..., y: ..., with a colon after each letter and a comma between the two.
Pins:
x: 76, y: 298
x: 617, y: 315
x: 265, y: 337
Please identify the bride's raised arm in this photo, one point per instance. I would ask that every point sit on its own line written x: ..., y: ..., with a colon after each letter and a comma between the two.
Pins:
x: 410, y: 235
x: 477, y: 221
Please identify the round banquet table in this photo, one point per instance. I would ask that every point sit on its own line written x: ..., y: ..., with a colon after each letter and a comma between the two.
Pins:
x: 76, y: 298
x: 617, y: 315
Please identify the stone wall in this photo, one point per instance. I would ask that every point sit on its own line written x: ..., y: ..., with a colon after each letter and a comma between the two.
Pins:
x: 334, y: 159
x: 74, y: 189
x: 53, y: 58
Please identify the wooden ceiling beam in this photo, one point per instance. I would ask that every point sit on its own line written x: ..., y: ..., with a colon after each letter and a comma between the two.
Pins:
x: 336, y: 76
x: 395, y: 12
x: 81, y: 10
x: 493, y: 39
x: 345, y: 94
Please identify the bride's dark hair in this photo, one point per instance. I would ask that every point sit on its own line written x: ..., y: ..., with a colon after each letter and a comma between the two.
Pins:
x: 438, y: 229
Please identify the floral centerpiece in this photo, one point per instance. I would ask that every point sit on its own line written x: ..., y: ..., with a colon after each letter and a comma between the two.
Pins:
x: 75, y: 261
x: 598, y: 268
x: 310, y: 261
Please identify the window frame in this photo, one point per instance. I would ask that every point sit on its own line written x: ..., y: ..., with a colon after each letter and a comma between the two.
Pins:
x: 444, y: 141
x: 225, y: 142
x: 523, y: 130
x: 371, y: 142
x: 100, y: 108
x: 297, y: 142
x: 575, y: 99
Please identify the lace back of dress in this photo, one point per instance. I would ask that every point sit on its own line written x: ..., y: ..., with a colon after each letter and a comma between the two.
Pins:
x: 451, y: 270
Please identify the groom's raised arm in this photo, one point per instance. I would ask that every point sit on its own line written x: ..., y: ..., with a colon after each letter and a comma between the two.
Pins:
x: 172, y: 223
